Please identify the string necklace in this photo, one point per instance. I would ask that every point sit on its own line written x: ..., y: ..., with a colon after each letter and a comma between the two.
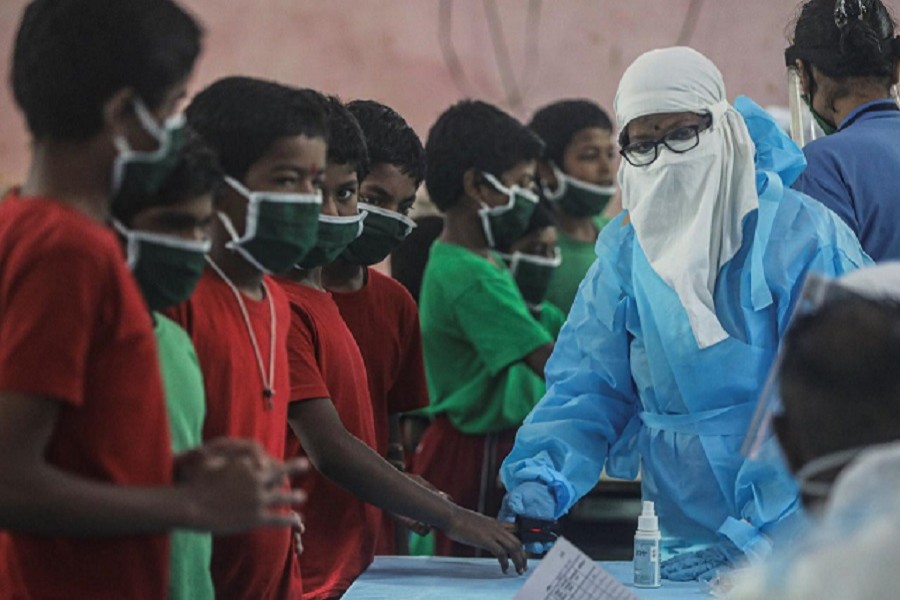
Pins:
x: 268, y: 382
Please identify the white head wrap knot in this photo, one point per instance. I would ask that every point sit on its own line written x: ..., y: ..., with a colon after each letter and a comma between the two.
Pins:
x: 688, y: 209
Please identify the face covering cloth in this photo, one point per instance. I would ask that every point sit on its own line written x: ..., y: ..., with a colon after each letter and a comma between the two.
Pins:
x: 687, y: 209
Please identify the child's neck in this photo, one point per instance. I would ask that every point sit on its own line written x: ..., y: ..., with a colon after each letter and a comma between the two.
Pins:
x: 245, y: 277
x: 309, y: 277
x: 463, y: 228
x: 70, y: 173
x: 343, y: 276
x: 582, y: 229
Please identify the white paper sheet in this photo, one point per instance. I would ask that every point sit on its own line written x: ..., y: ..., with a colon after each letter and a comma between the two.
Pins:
x: 567, y: 573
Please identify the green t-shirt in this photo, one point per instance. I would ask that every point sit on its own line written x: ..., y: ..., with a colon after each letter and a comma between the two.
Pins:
x: 577, y: 258
x: 551, y: 318
x: 476, y: 331
x: 189, y: 576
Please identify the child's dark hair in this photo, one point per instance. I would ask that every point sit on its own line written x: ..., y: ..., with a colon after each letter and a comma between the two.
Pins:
x: 389, y: 139
x: 556, y: 124
x: 409, y: 258
x: 839, y: 371
x: 847, y: 38
x: 241, y: 117
x: 346, y: 142
x: 473, y: 135
x: 71, y: 56
x: 196, y: 173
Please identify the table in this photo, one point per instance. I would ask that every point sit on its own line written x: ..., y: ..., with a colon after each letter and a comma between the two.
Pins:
x: 438, y: 578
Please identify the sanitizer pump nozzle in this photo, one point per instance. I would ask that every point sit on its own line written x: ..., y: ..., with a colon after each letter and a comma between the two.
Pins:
x: 646, y: 548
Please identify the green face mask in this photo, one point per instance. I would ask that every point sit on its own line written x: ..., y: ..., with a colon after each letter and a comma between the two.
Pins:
x: 824, y: 125
x: 579, y: 198
x: 140, y: 174
x: 503, y: 225
x: 167, y: 268
x: 335, y: 234
x: 532, y: 274
x: 280, y: 228
x: 383, y: 230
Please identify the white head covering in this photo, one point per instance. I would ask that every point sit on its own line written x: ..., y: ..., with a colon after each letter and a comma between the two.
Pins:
x: 688, y: 209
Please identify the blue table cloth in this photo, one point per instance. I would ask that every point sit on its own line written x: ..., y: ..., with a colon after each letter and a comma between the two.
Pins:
x: 433, y: 578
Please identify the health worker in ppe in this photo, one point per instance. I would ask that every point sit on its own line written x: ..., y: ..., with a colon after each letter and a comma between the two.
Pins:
x: 844, y: 59
x: 676, y: 324
x: 835, y: 414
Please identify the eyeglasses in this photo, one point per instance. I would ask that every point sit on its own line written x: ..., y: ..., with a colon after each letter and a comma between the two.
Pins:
x: 679, y: 141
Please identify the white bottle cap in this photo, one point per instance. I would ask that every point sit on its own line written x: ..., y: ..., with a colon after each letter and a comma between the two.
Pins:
x: 648, y: 520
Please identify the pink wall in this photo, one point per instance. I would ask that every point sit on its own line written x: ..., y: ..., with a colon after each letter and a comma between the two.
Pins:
x: 389, y: 50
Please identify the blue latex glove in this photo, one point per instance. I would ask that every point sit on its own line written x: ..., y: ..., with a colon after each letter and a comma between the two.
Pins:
x: 529, y: 499
x: 701, y: 564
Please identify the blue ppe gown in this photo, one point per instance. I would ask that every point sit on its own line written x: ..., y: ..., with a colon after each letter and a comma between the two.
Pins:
x: 628, y: 385
x: 856, y: 173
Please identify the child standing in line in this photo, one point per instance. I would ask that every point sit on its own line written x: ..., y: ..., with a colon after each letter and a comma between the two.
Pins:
x: 484, y: 352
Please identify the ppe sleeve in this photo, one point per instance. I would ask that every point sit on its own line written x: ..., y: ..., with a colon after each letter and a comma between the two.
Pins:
x: 766, y: 494
x: 590, y: 397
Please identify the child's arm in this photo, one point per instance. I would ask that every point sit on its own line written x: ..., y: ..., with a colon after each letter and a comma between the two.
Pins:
x: 347, y: 461
x: 222, y: 496
x: 537, y: 359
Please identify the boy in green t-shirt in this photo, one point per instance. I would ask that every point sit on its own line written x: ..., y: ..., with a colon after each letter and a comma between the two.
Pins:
x: 484, y: 352
x: 533, y: 260
x: 166, y: 241
x: 577, y: 173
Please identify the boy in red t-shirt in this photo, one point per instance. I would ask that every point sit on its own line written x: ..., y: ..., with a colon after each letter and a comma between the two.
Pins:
x: 86, y: 494
x: 379, y: 311
x: 332, y: 414
x: 270, y: 140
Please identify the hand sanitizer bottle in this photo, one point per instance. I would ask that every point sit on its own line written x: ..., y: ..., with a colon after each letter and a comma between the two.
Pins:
x: 646, y: 549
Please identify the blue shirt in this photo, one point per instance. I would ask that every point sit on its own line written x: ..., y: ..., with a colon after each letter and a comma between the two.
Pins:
x: 856, y: 173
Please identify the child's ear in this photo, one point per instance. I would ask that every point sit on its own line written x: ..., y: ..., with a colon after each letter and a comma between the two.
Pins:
x: 546, y: 174
x: 473, y: 184
x: 118, y: 113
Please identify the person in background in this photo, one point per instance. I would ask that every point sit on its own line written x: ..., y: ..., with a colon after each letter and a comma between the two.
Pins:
x: 673, y: 331
x: 89, y: 489
x: 533, y: 259
x: 484, y: 352
x: 408, y: 260
x: 847, y: 57
x: 166, y: 240
x: 270, y: 140
x: 331, y: 415
x: 380, y: 313
x: 577, y: 175
x: 836, y: 419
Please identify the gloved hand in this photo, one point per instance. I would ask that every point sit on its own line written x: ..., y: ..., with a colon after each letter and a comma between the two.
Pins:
x: 701, y: 564
x: 529, y: 499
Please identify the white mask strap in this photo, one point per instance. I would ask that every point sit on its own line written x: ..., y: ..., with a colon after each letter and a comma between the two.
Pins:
x: 371, y: 208
x: 824, y: 464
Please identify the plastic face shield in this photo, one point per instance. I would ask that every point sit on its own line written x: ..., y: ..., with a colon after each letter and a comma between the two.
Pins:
x: 803, y: 126
x: 817, y: 292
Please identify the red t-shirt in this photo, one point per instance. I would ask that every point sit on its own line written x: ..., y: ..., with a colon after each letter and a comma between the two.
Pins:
x: 74, y: 328
x: 261, y: 564
x: 384, y: 319
x: 325, y: 362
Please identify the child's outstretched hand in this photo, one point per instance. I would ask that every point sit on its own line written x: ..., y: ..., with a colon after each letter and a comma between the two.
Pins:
x: 470, y: 528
